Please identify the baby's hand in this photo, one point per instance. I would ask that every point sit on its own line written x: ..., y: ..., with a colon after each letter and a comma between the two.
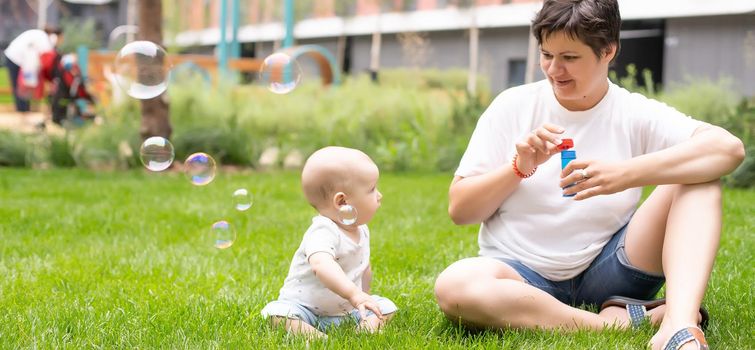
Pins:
x: 363, y: 302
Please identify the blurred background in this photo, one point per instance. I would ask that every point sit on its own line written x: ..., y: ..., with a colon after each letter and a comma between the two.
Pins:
x: 418, y: 72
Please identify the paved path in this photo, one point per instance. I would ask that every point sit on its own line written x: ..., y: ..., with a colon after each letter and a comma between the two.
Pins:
x: 28, y: 122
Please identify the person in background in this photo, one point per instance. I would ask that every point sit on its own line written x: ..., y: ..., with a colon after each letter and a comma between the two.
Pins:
x: 22, y: 57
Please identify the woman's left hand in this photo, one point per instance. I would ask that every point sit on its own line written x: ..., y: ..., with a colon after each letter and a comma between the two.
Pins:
x: 593, y: 177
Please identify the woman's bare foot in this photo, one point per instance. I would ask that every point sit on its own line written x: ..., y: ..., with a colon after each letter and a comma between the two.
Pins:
x: 665, y: 332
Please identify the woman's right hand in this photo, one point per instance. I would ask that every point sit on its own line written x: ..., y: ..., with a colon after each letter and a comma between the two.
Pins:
x: 539, y: 145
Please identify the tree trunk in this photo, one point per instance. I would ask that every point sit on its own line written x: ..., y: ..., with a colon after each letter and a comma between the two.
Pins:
x: 375, y: 51
x: 155, y: 117
x: 341, y: 52
x: 375, y: 47
x: 474, y: 51
x: 532, y: 57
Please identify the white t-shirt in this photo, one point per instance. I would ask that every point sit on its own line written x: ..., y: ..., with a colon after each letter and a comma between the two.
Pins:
x: 557, y: 236
x: 303, y: 287
x: 28, y: 45
x: 25, y: 51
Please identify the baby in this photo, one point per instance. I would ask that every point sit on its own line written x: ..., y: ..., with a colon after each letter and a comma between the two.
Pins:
x: 329, y: 278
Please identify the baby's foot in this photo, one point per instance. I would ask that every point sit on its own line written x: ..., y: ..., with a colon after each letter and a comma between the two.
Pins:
x: 371, y: 324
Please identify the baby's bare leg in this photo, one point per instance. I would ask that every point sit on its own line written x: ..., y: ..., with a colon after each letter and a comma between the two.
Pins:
x: 297, y: 327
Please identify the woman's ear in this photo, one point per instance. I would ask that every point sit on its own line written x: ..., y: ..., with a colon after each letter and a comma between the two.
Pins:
x: 339, y: 199
x: 610, y: 52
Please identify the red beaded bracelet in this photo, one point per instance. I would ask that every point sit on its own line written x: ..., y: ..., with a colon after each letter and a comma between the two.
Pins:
x: 519, y: 173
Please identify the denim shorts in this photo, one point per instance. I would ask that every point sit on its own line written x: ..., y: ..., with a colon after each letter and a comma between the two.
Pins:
x: 291, y: 309
x: 609, y: 274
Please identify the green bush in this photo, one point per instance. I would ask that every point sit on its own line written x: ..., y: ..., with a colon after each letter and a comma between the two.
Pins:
x: 448, y: 79
x: 411, y: 120
x: 112, y: 145
x: 79, y: 33
x: 711, y: 101
x: 13, y: 149
x: 742, y: 124
x: 718, y: 103
x: 631, y: 81
x: 715, y: 102
x: 402, y: 127
x: 61, y: 152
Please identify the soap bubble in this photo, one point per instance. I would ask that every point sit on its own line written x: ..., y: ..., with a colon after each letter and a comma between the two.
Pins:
x: 242, y: 199
x: 200, y: 168
x: 347, y: 214
x: 156, y: 153
x: 223, y: 234
x: 280, y: 73
x: 142, y: 69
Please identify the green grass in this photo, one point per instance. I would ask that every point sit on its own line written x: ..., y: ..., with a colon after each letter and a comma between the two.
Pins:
x: 5, y: 82
x: 124, y: 260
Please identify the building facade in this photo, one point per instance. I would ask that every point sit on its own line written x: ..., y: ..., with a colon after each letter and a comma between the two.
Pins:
x: 675, y: 39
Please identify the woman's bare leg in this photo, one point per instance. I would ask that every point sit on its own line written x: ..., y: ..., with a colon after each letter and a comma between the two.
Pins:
x: 484, y: 292
x: 677, y: 231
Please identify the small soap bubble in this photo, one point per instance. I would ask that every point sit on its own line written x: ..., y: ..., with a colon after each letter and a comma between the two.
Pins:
x: 200, y: 168
x: 280, y: 73
x: 156, y: 153
x: 347, y: 214
x: 142, y: 69
x: 223, y: 234
x: 242, y: 199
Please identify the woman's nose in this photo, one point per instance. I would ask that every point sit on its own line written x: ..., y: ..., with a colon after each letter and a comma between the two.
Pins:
x: 554, y: 67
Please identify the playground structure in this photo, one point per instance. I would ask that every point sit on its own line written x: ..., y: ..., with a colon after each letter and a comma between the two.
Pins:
x: 98, y: 66
x: 99, y: 69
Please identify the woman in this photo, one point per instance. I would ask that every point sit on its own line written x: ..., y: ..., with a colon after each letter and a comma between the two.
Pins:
x: 541, y: 252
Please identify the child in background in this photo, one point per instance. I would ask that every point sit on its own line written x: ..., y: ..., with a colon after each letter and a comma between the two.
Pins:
x: 329, y: 278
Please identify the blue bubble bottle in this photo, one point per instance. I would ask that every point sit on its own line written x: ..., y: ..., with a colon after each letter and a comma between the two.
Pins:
x: 566, y: 157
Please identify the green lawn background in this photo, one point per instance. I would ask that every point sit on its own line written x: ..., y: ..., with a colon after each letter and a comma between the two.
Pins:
x: 125, y: 260
x: 4, y: 82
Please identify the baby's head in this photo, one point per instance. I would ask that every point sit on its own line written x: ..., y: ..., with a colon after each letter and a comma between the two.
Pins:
x: 337, y: 176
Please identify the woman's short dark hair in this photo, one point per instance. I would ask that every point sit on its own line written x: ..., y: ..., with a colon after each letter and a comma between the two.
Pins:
x: 53, y: 30
x: 596, y: 23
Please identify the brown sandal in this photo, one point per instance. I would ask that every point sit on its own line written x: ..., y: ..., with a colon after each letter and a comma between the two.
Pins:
x: 684, y: 336
x: 637, y: 309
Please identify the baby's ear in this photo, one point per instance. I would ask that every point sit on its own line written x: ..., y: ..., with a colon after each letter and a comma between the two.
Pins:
x: 339, y: 199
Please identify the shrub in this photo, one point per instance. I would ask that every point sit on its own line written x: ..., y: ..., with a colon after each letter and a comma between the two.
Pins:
x: 631, y: 81
x: 403, y: 127
x: 719, y: 104
x: 112, y: 145
x: 13, y: 149
x: 742, y: 124
x: 711, y: 101
x: 61, y: 152
x: 715, y: 102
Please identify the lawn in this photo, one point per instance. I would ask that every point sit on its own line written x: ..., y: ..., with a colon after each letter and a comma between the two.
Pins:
x: 125, y: 260
x: 4, y: 82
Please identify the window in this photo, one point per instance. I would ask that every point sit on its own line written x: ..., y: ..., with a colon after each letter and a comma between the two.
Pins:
x: 517, y: 70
